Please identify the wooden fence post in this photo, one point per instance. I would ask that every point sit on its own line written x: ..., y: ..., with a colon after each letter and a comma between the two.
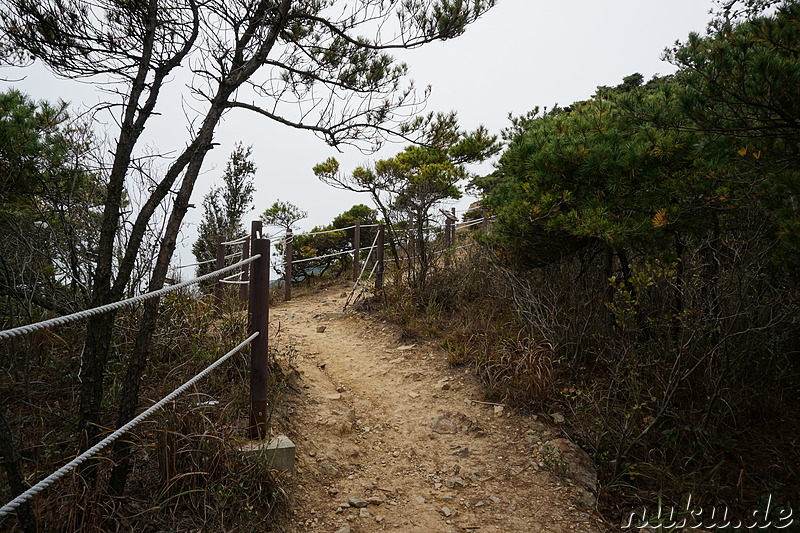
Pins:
x: 245, y: 271
x: 447, y: 240
x: 453, y: 227
x: 379, y: 258
x: 259, y: 321
x: 287, y: 269
x: 219, y: 287
x: 357, y: 250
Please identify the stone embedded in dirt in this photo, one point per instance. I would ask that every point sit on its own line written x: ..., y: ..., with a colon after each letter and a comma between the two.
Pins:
x: 406, y: 348
x: 321, y: 329
x: 379, y: 518
x: 443, y: 425
x: 558, y: 418
x: 416, y: 375
x: 414, y: 395
x: 344, y: 529
x: 397, y: 361
x: 328, y: 468
x: 498, y: 410
x: 363, y: 513
x: 454, y: 483
x: 335, y: 396
x: 446, y: 511
x: 581, y: 468
x: 479, y: 504
x: 355, y: 501
x: 494, y: 499
x: 419, y: 499
x: 461, y: 452
x: 375, y: 500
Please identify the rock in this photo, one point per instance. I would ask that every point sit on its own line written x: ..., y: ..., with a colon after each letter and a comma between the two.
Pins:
x: 416, y: 376
x: 498, y: 410
x: 406, y: 347
x: 375, y: 500
x: 363, y: 513
x: 414, y: 395
x: 357, y: 502
x: 321, y: 329
x: 558, y: 418
x: 479, y: 504
x: 462, y: 452
x: 396, y: 361
x: 443, y: 425
x: 335, y: 396
x: 312, y: 453
x: 419, y: 499
x: 446, y: 511
x: 581, y: 468
x: 454, y: 483
x: 328, y: 468
x: 344, y: 529
x: 379, y: 518
x: 494, y: 499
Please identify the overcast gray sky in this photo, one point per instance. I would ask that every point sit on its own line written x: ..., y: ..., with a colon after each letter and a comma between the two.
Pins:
x: 521, y: 54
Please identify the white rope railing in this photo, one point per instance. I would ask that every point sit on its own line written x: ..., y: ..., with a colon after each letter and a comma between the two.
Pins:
x: 324, y: 231
x: 294, y: 262
x: 240, y: 240
x: 61, y: 472
x: 61, y: 320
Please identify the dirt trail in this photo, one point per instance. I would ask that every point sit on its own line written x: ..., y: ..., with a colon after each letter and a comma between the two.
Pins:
x: 395, y: 427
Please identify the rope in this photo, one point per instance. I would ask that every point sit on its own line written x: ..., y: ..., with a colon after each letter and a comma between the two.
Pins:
x: 326, y: 231
x: 198, y: 264
x: 61, y: 472
x: 234, y: 282
x: 240, y: 240
x: 322, y: 257
x: 58, y: 321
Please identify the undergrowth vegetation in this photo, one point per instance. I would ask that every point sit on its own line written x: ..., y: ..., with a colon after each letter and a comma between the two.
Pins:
x: 668, y: 401
x: 188, y: 471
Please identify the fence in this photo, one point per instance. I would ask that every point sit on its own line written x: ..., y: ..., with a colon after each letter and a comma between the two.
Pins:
x: 253, y: 269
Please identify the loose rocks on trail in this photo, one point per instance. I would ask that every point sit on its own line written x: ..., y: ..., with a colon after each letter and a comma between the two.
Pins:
x: 389, y: 437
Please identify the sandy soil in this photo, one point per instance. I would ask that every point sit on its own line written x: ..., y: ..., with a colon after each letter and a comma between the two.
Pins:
x: 393, y: 427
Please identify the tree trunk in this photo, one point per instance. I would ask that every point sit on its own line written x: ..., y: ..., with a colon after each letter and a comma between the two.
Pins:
x: 130, y: 387
x: 16, y: 480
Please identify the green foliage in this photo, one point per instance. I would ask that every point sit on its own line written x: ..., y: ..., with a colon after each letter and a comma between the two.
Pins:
x: 48, y: 200
x: 283, y: 214
x: 224, y: 209
x: 330, y: 241
x: 409, y: 185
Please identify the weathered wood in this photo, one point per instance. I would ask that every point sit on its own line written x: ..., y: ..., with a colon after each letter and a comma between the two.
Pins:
x: 259, y: 322
x: 287, y: 270
x: 379, y: 258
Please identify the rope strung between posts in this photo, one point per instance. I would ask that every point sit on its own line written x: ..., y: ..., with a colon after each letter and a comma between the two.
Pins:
x: 61, y: 320
x: 240, y: 240
x: 322, y: 257
x: 325, y: 231
x: 361, y: 274
x: 61, y: 472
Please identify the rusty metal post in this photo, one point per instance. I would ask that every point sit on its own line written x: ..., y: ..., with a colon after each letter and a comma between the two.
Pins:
x: 259, y: 321
x: 219, y: 287
x: 245, y: 271
x: 379, y: 258
x: 287, y: 269
x: 485, y: 222
x: 357, y: 250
